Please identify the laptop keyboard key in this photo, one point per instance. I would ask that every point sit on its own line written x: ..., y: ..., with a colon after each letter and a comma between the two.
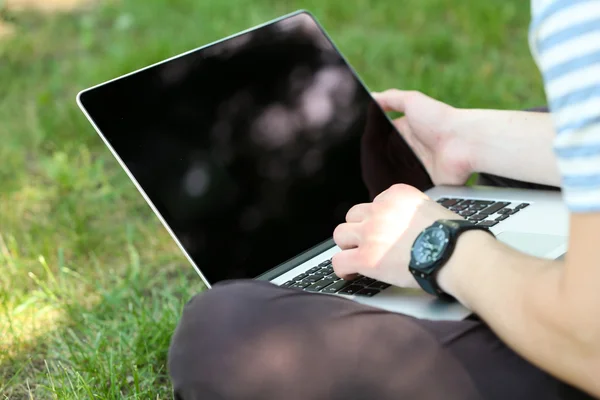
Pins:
x: 488, y: 224
x: 522, y: 205
x: 365, y: 281
x: 505, y: 211
x: 299, y: 277
x: 502, y: 218
x: 313, y: 269
x: 325, y: 263
x: 477, y: 207
x: 450, y: 202
x: 467, y: 213
x: 333, y: 276
x: 320, y: 285
x: 478, y: 217
x: 495, y: 208
x: 336, y: 286
x: 288, y: 283
x: 328, y: 270
x: 351, y: 290
x: 367, y: 292
x: 300, y: 285
x: 379, y: 285
x: 321, y: 273
x: 313, y: 278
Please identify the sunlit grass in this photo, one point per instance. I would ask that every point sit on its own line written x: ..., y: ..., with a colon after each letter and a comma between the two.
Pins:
x: 91, y: 285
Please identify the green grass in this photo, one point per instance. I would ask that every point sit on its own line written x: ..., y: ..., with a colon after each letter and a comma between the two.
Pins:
x: 91, y: 286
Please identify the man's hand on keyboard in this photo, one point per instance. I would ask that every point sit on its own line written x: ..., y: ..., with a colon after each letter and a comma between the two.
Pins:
x: 377, y: 237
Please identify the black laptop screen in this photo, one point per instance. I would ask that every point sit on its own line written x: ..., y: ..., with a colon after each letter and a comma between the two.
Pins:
x: 253, y: 149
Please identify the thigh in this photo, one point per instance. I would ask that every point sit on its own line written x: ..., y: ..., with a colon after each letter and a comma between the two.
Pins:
x: 496, y: 371
x: 253, y: 340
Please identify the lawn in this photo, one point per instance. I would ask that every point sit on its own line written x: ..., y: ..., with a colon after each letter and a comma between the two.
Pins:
x: 91, y: 285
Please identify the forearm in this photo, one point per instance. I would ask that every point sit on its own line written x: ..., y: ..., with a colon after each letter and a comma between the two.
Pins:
x: 529, y: 304
x: 512, y: 144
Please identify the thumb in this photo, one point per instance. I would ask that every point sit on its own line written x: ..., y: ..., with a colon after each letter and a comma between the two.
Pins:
x: 392, y: 99
x: 403, y: 128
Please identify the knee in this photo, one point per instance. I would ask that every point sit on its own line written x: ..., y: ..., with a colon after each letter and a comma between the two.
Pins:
x: 211, y: 325
x: 208, y: 313
x: 223, y: 299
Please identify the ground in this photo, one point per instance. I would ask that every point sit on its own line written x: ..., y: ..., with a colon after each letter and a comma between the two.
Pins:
x: 91, y: 285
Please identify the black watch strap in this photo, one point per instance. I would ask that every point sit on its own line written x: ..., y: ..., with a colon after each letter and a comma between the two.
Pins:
x: 430, y: 286
x: 459, y: 226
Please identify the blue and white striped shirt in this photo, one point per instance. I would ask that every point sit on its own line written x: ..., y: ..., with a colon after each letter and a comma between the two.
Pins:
x: 565, y: 41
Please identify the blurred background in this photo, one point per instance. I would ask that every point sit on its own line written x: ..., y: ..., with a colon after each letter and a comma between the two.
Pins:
x: 91, y: 285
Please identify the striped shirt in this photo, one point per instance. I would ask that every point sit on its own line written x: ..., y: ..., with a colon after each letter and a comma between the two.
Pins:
x: 565, y: 40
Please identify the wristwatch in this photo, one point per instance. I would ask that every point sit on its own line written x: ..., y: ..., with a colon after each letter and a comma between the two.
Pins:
x: 433, y: 248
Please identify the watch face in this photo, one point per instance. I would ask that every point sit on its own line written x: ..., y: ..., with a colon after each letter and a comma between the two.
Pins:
x: 429, y: 246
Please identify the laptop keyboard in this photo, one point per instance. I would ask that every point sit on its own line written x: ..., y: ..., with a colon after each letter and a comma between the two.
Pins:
x: 482, y: 212
x: 322, y: 279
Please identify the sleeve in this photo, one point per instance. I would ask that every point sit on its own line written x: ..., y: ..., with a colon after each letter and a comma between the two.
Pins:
x: 565, y: 41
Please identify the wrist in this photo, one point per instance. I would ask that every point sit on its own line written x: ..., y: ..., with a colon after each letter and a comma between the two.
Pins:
x: 465, y: 131
x: 470, y: 247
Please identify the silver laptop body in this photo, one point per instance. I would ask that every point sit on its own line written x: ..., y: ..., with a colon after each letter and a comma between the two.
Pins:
x: 174, y: 127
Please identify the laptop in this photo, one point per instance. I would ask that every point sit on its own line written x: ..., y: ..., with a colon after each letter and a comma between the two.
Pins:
x: 252, y: 149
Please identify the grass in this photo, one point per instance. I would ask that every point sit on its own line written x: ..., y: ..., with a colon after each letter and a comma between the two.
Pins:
x: 91, y: 285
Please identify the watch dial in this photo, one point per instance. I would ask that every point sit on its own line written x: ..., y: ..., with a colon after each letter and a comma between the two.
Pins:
x: 430, y: 246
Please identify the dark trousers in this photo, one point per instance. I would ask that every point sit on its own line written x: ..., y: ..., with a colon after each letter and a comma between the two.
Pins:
x: 251, y: 340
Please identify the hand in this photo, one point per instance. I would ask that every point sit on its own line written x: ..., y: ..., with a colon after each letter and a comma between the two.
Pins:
x: 378, y: 236
x: 426, y: 126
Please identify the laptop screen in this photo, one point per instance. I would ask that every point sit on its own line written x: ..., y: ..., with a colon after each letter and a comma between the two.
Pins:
x: 254, y: 148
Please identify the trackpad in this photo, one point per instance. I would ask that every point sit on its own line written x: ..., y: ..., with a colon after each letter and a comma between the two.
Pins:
x: 535, y: 244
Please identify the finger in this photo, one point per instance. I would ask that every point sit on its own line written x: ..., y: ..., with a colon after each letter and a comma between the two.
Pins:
x: 401, y: 125
x: 394, y: 189
x: 392, y: 99
x: 358, y: 213
x: 381, y: 196
x: 346, y: 236
x: 401, y: 189
x: 406, y: 133
x: 345, y: 264
x: 403, y: 128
